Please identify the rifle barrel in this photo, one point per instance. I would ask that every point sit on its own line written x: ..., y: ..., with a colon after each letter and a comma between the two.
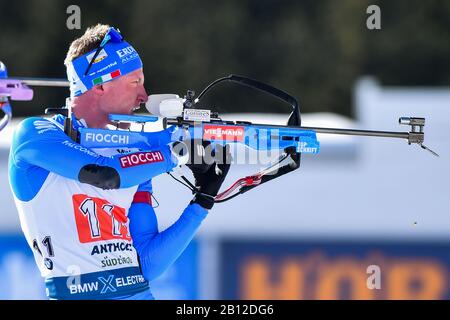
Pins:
x: 355, y: 132
x: 44, y: 82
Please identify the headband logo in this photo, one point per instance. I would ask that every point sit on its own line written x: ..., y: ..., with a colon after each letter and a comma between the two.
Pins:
x: 101, y: 56
x: 127, y: 54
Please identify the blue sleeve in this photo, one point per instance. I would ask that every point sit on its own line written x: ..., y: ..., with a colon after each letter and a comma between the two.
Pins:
x: 158, y: 250
x: 38, y: 142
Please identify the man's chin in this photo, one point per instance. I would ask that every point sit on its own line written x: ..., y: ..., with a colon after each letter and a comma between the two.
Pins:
x: 129, y: 112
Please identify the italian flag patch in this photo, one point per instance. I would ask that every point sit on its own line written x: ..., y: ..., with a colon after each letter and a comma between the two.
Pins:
x: 106, y: 77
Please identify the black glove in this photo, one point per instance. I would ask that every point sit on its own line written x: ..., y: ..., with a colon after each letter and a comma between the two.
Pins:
x: 201, y: 155
x: 208, y: 182
x: 195, y: 154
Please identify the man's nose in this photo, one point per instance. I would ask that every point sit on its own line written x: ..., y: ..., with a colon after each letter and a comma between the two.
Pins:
x: 143, y: 95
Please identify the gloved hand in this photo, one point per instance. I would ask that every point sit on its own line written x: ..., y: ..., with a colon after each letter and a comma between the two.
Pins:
x: 209, y: 182
x: 195, y: 154
x: 201, y: 155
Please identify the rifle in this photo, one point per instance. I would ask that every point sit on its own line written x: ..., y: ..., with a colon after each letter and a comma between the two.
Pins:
x: 186, y: 119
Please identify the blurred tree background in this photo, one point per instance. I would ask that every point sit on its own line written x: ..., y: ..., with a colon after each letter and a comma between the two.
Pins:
x: 315, y: 50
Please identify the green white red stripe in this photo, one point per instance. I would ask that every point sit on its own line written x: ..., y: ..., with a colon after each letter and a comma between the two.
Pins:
x: 106, y: 77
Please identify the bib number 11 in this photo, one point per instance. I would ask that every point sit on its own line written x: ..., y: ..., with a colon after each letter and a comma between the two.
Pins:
x: 98, y: 220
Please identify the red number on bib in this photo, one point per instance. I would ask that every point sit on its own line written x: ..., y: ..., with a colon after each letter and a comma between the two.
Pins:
x: 98, y: 220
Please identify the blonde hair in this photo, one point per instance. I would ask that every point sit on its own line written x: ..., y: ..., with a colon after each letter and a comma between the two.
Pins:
x: 89, y: 41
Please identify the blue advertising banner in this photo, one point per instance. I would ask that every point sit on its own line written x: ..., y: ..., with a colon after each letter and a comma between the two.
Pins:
x: 21, y: 279
x: 334, y: 270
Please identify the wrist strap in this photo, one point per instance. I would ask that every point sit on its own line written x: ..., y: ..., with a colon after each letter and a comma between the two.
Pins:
x: 203, y: 199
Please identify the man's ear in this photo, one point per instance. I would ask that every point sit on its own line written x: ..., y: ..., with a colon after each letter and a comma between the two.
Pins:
x: 98, y: 89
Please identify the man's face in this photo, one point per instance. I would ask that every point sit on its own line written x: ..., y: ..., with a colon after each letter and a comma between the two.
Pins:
x: 123, y: 95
